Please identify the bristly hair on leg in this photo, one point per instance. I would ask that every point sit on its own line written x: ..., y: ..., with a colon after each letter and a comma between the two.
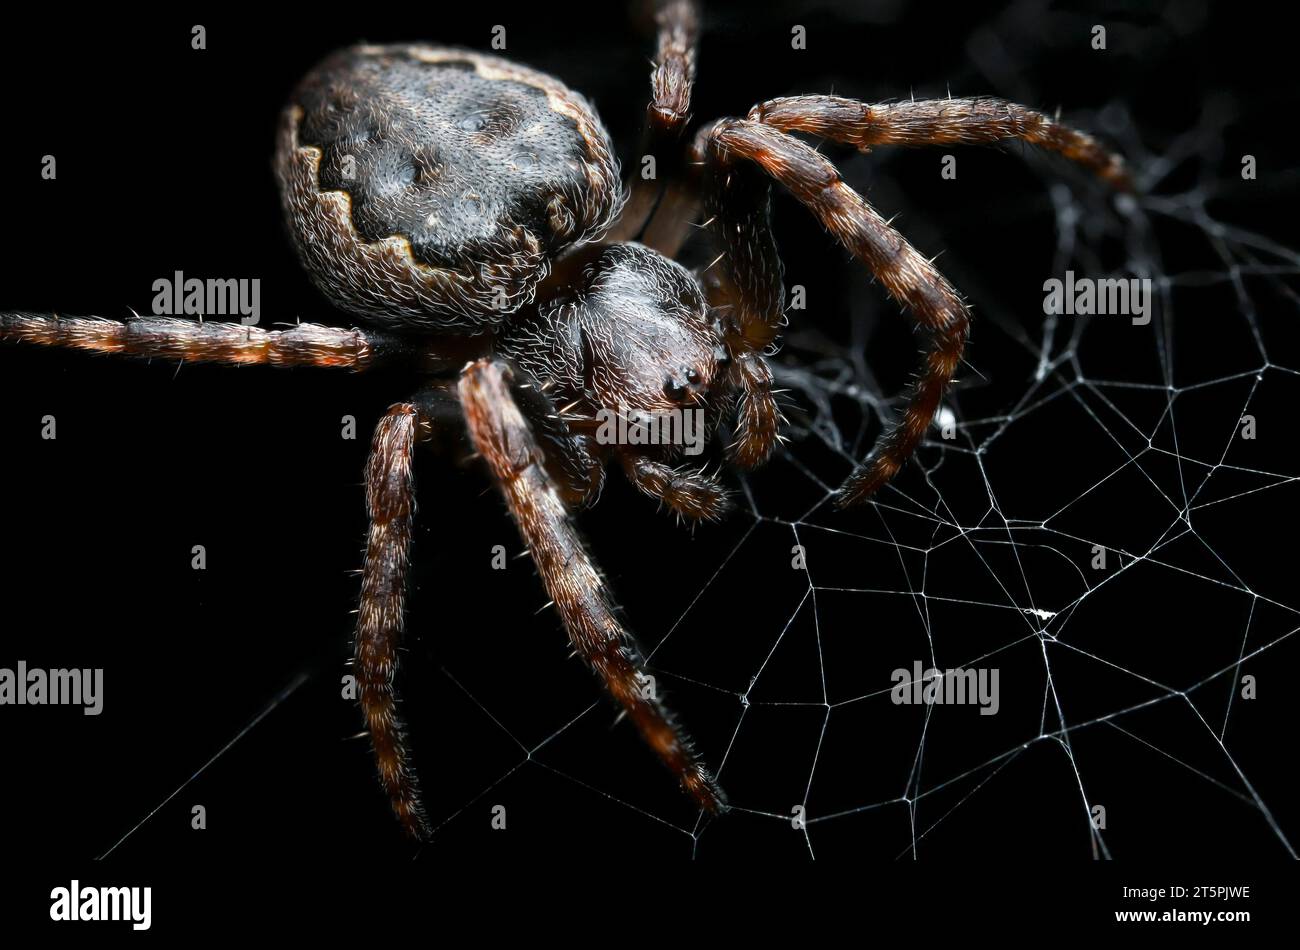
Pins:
x: 390, y: 500
x: 504, y: 440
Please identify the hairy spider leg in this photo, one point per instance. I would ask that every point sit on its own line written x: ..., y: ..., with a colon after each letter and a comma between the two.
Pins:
x: 751, y: 277
x: 907, y: 276
x: 504, y: 439
x: 746, y: 284
x: 381, y: 613
x: 689, y: 493
x: 307, y: 344
x: 677, y: 24
x: 920, y: 122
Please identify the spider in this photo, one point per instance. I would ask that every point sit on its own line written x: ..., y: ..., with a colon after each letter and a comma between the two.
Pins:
x: 468, y: 212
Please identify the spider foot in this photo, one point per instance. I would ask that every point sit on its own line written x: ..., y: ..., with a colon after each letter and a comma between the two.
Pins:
x: 866, y: 481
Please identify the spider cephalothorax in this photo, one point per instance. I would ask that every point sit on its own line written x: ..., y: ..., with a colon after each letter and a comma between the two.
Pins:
x: 632, y: 332
x: 468, y: 211
x: 630, y: 339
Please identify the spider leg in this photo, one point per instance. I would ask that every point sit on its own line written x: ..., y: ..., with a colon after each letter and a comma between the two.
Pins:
x: 939, y: 122
x: 307, y: 344
x: 505, y: 440
x: 752, y: 270
x: 390, y: 500
x: 691, y: 494
x: 573, y: 458
x: 678, y: 26
x: 745, y: 285
x: 758, y: 418
x: 578, y: 471
x: 678, y: 23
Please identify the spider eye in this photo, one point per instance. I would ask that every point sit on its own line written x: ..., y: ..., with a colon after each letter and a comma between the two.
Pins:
x: 675, y: 389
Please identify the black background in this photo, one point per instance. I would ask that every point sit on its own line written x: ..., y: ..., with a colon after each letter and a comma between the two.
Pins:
x: 164, y: 164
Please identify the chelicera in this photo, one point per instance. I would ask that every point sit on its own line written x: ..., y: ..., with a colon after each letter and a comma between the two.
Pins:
x: 468, y: 213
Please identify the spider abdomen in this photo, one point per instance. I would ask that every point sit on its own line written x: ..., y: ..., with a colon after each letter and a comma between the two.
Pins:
x: 432, y: 187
